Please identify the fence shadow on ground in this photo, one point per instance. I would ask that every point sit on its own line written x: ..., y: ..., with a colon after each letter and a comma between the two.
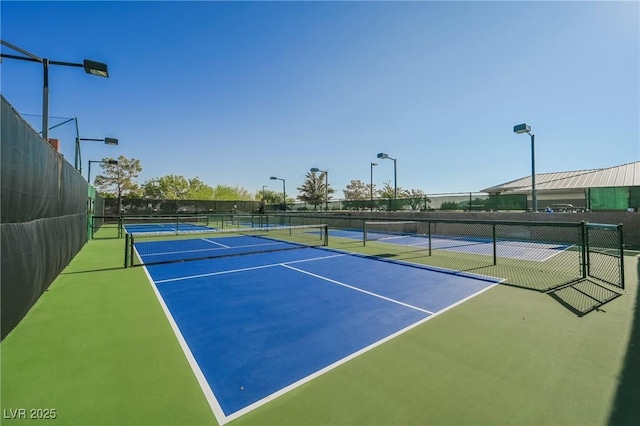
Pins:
x: 626, y: 410
x: 584, y: 296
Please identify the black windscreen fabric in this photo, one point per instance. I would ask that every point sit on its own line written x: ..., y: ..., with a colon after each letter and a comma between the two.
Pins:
x: 33, y: 255
x: 43, y: 215
x: 29, y: 175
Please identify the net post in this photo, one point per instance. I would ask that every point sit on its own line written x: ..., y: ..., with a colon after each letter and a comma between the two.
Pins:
x: 326, y: 235
x: 621, y: 251
x: 364, y: 233
x: 429, y: 233
x: 126, y: 250
x: 131, y: 249
x: 120, y: 226
x: 495, y: 245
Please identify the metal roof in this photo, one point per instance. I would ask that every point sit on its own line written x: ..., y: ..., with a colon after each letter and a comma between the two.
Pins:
x: 624, y: 175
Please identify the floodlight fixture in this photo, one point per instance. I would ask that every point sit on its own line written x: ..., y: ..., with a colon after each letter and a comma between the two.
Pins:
x: 91, y: 67
x: 522, y: 128
x: 78, y: 155
x: 110, y: 161
x: 284, y: 192
x: 525, y: 128
x: 385, y: 156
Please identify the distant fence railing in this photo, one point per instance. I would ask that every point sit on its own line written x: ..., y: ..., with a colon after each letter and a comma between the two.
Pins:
x: 470, y: 201
x: 592, y: 199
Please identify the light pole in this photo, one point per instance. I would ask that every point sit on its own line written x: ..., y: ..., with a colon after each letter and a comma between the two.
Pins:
x: 326, y: 185
x: 78, y: 157
x: 284, y: 192
x: 91, y: 67
x: 112, y: 162
x: 371, y: 185
x: 525, y: 128
x: 382, y: 155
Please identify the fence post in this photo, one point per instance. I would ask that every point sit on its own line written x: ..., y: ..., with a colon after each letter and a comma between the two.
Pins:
x: 126, y: 250
x: 429, y: 231
x: 495, y: 249
x: 621, y: 255
x: 584, y: 242
x: 364, y: 232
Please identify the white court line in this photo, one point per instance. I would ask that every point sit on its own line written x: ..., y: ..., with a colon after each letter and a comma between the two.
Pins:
x: 210, y: 249
x: 215, y: 406
x: 250, y: 268
x: 499, y: 244
x: 216, y: 243
x: 394, y: 237
x: 344, y: 360
x: 388, y: 299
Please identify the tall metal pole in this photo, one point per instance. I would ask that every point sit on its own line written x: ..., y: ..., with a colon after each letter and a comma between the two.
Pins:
x: 78, y: 165
x: 395, y: 185
x: 119, y: 193
x: 533, y: 174
x: 45, y: 100
x: 525, y: 128
x: 326, y: 190
x: 284, y: 195
x: 371, y: 187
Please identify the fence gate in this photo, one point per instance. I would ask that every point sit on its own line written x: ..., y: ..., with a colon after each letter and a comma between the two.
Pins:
x: 605, y: 255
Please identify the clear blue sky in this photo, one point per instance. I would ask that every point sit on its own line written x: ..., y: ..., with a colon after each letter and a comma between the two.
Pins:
x: 235, y: 92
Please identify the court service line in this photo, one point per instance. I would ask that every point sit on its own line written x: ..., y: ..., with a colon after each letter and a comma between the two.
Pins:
x: 210, y: 249
x: 250, y: 268
x: 216, y: 243
x: 388, y: 299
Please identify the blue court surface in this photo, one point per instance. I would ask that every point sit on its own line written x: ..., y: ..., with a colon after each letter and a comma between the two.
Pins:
x: 523, y: 250
x: 256, y: 326
x: 164, y: 227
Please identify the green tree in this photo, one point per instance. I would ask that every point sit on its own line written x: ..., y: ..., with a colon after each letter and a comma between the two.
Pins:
x: 314, y: 189
x: 387, y: 191
x: 173, y: 187
x: 118, y: 180
x: 356, y: 190
x: 450, y: 205
x: 357, y: 193
x: 231, y: 193
x: 414, y: 198
x: 268, y: 196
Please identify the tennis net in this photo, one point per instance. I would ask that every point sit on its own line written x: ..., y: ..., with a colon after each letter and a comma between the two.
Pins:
x: 133, y: 224
x: 148, y: 248
x: 388, y: 230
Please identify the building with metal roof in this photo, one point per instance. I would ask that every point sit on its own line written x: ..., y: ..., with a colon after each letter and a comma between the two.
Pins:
x: 612, y: 188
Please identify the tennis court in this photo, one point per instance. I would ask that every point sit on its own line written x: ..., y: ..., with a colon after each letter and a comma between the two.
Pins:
x: 165, y: 224
x: 257, y: 325
x: 522, y: 250
x: 108, y: 355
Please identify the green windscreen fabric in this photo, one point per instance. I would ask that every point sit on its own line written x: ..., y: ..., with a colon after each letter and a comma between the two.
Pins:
x: 634, y: 196
x: 609, y: 198
x: 507, y: 202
